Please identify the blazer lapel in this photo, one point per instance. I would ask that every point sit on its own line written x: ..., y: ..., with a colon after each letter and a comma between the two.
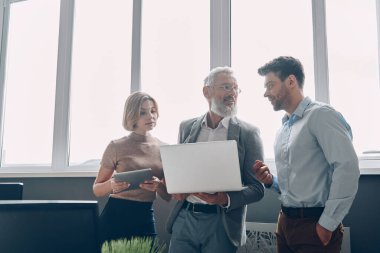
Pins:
x: 233, y: 130
x: 234, y: 134
x: 195, y: 129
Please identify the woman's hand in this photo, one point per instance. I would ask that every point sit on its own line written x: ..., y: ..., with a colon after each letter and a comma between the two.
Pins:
x: 157, y: 185
x: 118, y: 187
x: 152, y: 185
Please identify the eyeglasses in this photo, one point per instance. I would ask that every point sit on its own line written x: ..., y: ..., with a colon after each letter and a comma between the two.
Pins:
x: 228, y: 88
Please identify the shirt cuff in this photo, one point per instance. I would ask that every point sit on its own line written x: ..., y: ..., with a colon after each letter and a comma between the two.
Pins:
x: 328, y: 223
x: 228, y: 202
x: 274, y: 185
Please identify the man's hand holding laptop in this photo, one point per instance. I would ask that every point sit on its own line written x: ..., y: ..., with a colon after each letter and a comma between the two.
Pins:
x: 218, y: 198
x: 180, y: 196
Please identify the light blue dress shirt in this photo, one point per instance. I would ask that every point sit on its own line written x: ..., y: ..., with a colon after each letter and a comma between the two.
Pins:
x: 316, y: 162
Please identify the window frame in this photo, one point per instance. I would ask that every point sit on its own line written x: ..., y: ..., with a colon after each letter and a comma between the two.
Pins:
x: 220, y: 55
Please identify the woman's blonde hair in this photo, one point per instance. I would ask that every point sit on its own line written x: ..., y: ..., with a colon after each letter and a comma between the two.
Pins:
x: 132, y: 109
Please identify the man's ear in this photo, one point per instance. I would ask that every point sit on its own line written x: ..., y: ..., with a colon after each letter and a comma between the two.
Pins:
x: 292, y: 81
x: 206, y: 92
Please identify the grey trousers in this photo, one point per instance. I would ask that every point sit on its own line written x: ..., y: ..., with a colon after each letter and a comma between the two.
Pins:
x: 199, y: 233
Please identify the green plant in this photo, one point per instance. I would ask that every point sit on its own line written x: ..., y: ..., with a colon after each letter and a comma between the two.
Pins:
x: 134, y: 245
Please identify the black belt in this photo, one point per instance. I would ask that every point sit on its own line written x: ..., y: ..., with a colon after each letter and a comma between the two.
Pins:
x: 200, y: 208
x: 302, y: 212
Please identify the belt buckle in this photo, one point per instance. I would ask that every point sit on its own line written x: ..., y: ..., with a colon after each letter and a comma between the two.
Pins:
x: 193, y: 209
x: 300, y: 213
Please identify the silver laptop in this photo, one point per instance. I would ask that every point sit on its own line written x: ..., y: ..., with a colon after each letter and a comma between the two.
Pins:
x: 201, y: 167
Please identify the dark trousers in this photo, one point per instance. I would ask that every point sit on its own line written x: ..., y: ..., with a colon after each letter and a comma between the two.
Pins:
x: 124, y: 219
x: 298, y: 235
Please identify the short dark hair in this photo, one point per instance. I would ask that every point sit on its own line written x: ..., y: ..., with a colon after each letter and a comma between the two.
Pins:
x: 283, y: 67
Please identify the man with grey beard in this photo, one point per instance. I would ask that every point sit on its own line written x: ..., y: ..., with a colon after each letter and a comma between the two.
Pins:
x: 215, y: 222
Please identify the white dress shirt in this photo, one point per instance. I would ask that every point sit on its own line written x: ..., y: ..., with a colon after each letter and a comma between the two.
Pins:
x: 208, y: 134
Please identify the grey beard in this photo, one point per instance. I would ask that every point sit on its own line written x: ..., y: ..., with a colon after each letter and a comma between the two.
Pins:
x: 222, y: 110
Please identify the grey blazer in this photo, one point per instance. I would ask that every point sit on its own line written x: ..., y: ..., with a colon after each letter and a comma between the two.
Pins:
x: 250, y: 149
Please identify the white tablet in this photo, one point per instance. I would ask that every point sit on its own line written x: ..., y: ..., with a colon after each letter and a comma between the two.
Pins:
x: 134, y: 177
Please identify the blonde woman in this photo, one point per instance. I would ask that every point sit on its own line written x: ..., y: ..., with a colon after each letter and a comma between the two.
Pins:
x: 130, y: 213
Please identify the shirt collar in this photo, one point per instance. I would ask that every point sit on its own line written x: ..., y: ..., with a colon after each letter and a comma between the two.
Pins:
x: 224, y: 122
x: 298, y: 113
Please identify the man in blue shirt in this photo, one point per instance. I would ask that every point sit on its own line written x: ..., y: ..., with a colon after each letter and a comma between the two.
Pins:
x: 317, y: 167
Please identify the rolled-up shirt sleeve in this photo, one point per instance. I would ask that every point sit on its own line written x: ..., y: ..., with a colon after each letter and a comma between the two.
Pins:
x: 274, y: 186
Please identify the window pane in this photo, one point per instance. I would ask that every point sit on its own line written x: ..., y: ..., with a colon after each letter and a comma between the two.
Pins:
x: 100, y: 80
x: 29, y: 107
x: 261, y: 31
x: 175, y: 60
x: 353, y: 68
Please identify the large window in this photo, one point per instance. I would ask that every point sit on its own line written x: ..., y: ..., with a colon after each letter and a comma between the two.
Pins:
x: 100, y: 80
x: 30, y: 83
x: 354, y: 69
x: 175, y: 59
x: 260, y: 33
x: 67, y: 67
